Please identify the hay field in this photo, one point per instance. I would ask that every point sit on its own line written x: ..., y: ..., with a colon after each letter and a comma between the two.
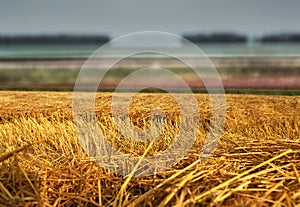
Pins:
x: 257, y: 161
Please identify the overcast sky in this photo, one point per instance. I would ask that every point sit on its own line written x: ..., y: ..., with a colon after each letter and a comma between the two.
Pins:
x: 118, y: 17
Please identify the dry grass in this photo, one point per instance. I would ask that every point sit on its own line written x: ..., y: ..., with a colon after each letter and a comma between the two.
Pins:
x: 257, y: 162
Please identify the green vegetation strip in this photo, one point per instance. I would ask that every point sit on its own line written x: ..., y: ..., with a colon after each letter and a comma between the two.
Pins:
x: 277, y: 92
x: 37, y: 79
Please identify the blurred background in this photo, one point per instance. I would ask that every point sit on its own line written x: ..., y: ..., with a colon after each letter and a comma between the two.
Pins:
x: 255, y: 45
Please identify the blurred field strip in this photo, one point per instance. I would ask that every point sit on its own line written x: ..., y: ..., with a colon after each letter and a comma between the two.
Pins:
x: 138, y: 62
x: 254, y: 73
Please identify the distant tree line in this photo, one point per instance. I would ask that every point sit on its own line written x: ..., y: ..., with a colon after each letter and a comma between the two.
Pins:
x: 239, y: 38
x: 53, y: 39
x: 102, y: 39
x: 280, y: 38
x: 216, y: 38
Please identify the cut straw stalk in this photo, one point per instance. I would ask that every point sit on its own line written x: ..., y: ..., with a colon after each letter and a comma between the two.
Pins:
x: 174, y: 190
x: 10, y: 154
x: 296, y: 173
x: 119, y: 200
x: 279, y: 202
x: 74, y: 197
x: 5, y: 191
x: 142, y: 197
x: 228, y: 182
